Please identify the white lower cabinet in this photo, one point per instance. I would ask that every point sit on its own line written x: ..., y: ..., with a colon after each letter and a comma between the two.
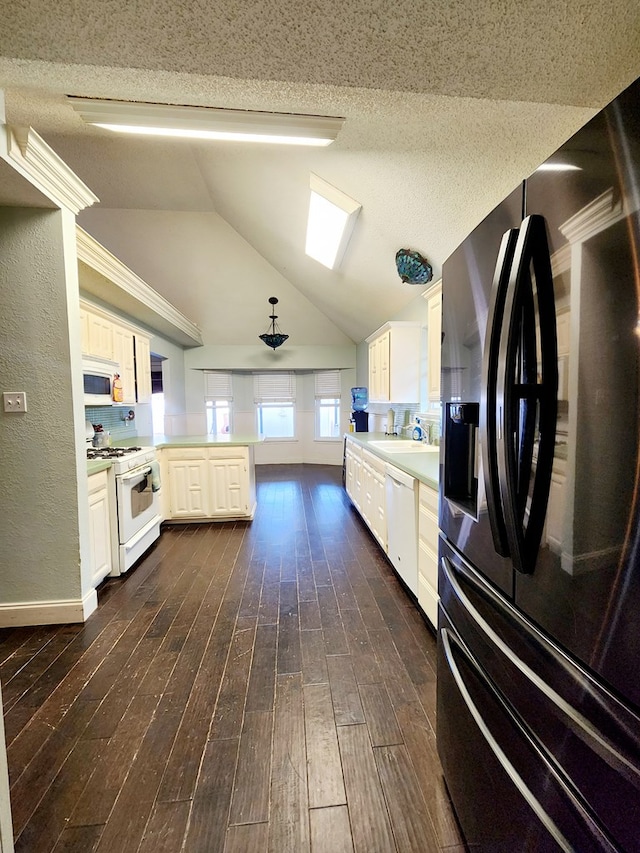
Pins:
x: 99, y: 527
x: 187, y: 473
x: 428, y: 552
x: 353, y: 465
x: 390, y: 514
x: 373, y: 503
x: 209, y: 483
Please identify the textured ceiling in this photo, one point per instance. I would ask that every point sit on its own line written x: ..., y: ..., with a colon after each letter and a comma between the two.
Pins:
x: 448, y: 105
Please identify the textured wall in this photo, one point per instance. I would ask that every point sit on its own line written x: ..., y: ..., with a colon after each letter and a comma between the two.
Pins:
x: 39, y: 536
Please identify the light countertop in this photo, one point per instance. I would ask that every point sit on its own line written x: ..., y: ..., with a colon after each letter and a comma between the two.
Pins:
x: 424, y: 465
x: 94, y: 466
x: 232, y: 440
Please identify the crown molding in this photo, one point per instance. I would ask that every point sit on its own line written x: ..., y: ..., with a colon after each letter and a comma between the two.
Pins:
x: 601, y: 213
x: 125, y: 290
x: 38, y: 162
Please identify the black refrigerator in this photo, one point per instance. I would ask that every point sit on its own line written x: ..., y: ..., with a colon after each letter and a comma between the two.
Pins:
x: 538, y: 719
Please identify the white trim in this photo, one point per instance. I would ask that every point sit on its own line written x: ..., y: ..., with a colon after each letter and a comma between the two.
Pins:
x: 60, y: 612
x: 94, y: 255
x: 592, y: 561
x: 601, y: 213
x: 561, y: 260
x: 392, y: 324
x: 42, y: 165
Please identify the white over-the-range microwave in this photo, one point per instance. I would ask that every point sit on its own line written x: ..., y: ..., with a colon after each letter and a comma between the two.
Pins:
x: 98, y: 375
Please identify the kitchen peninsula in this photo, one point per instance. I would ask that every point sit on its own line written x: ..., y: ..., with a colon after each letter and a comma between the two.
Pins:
x: 205, y: 478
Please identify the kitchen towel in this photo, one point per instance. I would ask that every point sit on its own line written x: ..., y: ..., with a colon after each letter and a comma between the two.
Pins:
x: 155, y: 475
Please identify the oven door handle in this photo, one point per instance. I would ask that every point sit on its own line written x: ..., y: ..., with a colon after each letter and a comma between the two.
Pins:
x: 136, y: 475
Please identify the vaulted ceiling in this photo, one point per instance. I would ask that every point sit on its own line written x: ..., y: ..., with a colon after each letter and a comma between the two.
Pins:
x: 448, y: 105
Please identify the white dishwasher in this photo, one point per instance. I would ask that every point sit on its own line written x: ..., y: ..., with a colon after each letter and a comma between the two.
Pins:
x: 402, y: 524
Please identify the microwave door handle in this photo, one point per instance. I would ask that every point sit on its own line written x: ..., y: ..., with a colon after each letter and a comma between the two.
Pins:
x: 488, y: 400
x: 523, y: 397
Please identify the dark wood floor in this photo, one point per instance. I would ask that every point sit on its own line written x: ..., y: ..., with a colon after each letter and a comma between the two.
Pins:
x: 263, y: 686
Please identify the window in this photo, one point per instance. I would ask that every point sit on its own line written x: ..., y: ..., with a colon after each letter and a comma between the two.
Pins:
x: 157, y: 413
x: 327, y: 404
x: 218, y: 399
x: 275, y: 397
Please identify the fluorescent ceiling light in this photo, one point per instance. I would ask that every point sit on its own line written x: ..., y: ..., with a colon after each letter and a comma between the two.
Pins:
x: 207, y: 122
x: 558, y: 167
x: 332, y: 216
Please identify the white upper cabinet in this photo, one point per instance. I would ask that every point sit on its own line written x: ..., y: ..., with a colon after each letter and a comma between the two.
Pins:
x: 434, y: 339
x: 106, y: 336
x: 143, y: 369
x: 123, y: 354
x: 394, y: 363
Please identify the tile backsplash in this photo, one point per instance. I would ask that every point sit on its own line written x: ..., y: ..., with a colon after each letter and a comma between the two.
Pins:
x: 404, y: 416
x: 111, y: 419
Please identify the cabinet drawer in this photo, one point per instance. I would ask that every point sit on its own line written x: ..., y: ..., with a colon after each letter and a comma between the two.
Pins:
x: 353, y: 448
x: 228, y: 453
x: 428, y: 565
x: 183, y: 454
x: 428, y: 601
x: 429, y: 498
x: 98, y: 481
x: 428, y: 528
x: 374, y: 462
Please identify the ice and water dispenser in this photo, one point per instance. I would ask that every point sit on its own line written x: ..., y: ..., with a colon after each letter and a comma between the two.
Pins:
x: 460, y: 455
x: 359, y: 415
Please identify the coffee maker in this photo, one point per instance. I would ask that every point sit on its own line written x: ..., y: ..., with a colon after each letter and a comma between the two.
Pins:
x: 359, y: 415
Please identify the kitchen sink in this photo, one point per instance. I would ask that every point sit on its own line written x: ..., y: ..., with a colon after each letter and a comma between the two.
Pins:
x: 404, y: 447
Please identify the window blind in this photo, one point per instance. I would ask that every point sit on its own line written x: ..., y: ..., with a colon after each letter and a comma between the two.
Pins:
x: 217, y: 385
x: 327, y: 383
x: 274, y: 387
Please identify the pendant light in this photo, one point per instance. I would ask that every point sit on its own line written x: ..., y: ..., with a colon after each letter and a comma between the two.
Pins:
x: 273, y: 337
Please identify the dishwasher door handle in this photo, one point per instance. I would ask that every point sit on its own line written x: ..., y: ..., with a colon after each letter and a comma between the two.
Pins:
x: 399, y: 476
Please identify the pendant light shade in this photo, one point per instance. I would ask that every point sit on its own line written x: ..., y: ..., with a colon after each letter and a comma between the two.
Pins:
x: 273, y: 337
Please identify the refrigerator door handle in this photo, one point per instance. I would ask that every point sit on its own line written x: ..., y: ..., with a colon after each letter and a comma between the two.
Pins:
x: 527, y: 390
x: 490, y: 417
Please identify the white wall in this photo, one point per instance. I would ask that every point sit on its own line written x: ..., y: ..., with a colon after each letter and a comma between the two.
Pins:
x: 303, y: 449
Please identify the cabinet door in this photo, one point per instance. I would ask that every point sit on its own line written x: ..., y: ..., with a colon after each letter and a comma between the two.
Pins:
x: 374, y: 382
x: 350, y: 473
x: 229, y: 485
x: 366, y: 493
x: 99, y: 529
x: 84, y: 331
x: 123, y: 354
x: 379, y: 365
x: 378, y: 511
x: 143, y: 369
x: 383, y: 356
x: 434, y: 339
x: 100, y: 334
x: 428, y: 553
x: 188, y: 487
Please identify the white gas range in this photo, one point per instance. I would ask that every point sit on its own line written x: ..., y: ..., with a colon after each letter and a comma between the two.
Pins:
x: 137, y: 493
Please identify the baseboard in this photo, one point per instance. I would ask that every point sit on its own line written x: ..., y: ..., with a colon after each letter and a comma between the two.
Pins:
x: 21, y: 614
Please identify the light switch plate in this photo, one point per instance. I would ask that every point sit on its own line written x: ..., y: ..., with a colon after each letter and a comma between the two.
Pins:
x: 14, y: 401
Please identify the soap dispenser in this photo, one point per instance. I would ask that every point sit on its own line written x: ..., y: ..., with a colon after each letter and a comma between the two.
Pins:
x: 417, y: 431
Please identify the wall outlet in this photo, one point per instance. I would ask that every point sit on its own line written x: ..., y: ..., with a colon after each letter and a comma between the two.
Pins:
x: 14, y: 401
